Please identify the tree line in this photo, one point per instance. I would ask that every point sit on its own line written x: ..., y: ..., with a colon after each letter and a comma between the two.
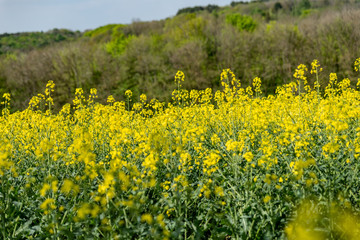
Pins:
x: 265, y: 39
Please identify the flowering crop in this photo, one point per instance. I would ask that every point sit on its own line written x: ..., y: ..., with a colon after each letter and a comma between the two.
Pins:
x: 223, y: 165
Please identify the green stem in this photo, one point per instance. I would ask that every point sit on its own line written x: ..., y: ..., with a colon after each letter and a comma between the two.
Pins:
x: 49, y: 102
x: 128, y: 104
x: 317, y: 86
x: 3, y: 230
x: 185, y: 218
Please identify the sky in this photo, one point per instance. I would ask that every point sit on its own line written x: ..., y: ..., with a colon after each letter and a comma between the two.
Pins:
x: 44, y: 15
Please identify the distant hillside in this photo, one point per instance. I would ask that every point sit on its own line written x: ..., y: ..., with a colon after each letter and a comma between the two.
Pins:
x: 266, y: 39
x: 32, y: 40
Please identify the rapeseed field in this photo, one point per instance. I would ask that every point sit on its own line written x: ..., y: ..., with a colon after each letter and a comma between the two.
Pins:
x: 230, y: 164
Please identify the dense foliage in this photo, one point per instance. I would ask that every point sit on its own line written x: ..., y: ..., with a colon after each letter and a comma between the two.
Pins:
x: 209, y: 8
x: 260, y: 38
x: 223, y: 165
x: 32, y: 40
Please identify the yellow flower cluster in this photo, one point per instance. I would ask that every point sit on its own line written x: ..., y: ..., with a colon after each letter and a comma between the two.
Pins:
x: 147, y: 166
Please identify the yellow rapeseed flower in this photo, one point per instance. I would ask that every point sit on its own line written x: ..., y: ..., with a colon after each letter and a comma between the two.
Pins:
x: 146, y: 217
x: 48, y: 204
x: 46, y: 187
x: 357, y: 64
x: 267, y: 199
x: 248, y: 156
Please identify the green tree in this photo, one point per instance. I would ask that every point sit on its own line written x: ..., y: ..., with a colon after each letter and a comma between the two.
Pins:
x: 241, y: 22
